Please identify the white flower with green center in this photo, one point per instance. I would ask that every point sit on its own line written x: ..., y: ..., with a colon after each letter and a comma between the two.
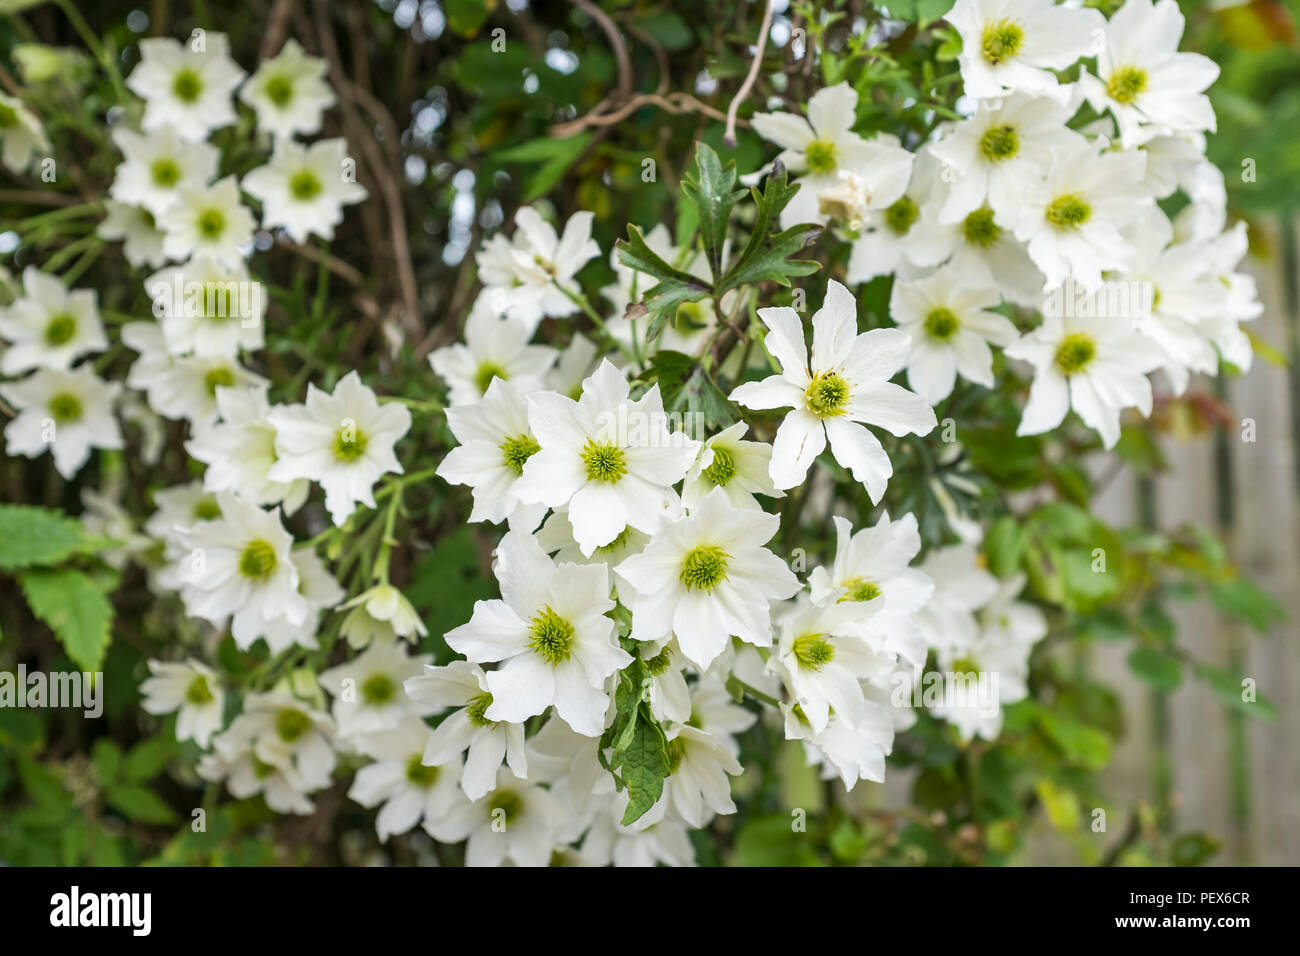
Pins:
x: 542, y: 265
x: 1010, y: 45
x: 467, y: 730
x: 1002, y: 151
x: 611, y: 461
x: 715, y: 711
x: 873, y: 566
x: 1072, y: 221
x: 240, y: 567
x: 186, y: 87
x: 738, y: 467
x: 64, y: 413
x: 283, y: 733
x: 190, y: 690
x: 208, y: 221
x: 50, y: 326
x: 852, y: 751
x: 208, y: 308
x: 516, y: 821
x: 368, y: 690
x: 698, y: 788
x: 609, y: 843
x: 177, y: 507
x: 824, y: 658
x: 948, y: 315
x: 303, y: 189
x: 381, y: 614
x: 342, y: 440
x: 706, y: 577
x: 156, y: 166
x: 819, y: 147
x: 21, y: 135
x: 233, y: 760
x: 239, y: 451
x: 495, y: 347
x: 1096, y: 365
x: 288, y: 92
x: 556, y: 538
x: 321, y: 592
x: 550, y: 635
x: 962, y: 587
x: 835, y: 393
x: 1149, y: 87
x: 409, y: 790
x: 137, y: 230
x: 496, y: 442
x: 186, y: 388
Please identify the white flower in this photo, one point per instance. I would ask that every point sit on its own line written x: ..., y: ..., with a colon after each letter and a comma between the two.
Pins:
x: 137, y: 230
x: 157, y: 166
x: 64, y: 413
x: 187, y: 387
x: 191, y: 691
x: 845, y: 383
x: 886, y: 242
x: 240, y: 451
x: 368, y: 690
x: 208, y: 308
x: 577, y: 360
x: 21, y: 134
x: 1072, y: 220
x: 515, y: 822
x: 1003, y: 150
x: 494, y: 347
x: 288, y: 92
x: 962, y: 587
x: 303, y: 189
x: 609, y: 842
x: 611, y: 460
x: 531, y: 280
x: 495, y: 443
x: 698, y: 787
x: 276, y: 732
x: 207, y: 221
x: 341, y: 440
x: 381, y: 614
x: 178, y: 507
x: 1148, y: 86
x: 551, y: 635
x: 233, y: 760
x: 1010, y: 45
x: 714, y: 711
x: 186, y: 87
x: 1096, y: 364
x: 240, y: 565
x: 50, y: 326
x: 706, y: 577
x: 853, y: 751
x: 947, y: 315
x: 318, y: 589
x: 738, y: 467
x: 485, y: 742
x: 409, y: 790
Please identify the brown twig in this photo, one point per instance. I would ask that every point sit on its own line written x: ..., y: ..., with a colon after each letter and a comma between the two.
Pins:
x: 276, y: 27
x: 676, y: 103
x: 742, y: 94
x: 616, y: 41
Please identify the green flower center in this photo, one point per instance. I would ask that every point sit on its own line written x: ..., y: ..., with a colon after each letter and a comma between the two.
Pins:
x: 676, y: 750
x: 419, y: 774
x: 211, y: 223
x: 1002, y: 40
x: 508, y: 803
x: 257, y: 561
x: 704, y: 568
x: 659, y: 663
x: 723, y: 468
x: 8, y: 116
x: 65, y: 407
x: 279, y: 90
x: 979, y: 229
x: 1069, y: 211
x: 941, y: 324
x: 827, y: 395
x: 518, y: 450
x: 552, y: 639
x: 187, y: 85
x: 291, y: 724
x: 1075, y: 353
x: 305, y: 185
x: 474, y: 710
x: 262, y: 770
x: 198, y: 693
x: 165, y: 173
x: 813, y: 651
x: 60, y: 330
x: 965, y: 665
x: 1126, y: 84
x: 604, y: 462
x: 860, y: 589
x: 378, y: 690
x: 486, y: 372
x: 820, y: 155
x: 901, y: 216
x: 350, y: 444
x: 999, y: 143
x: 207, y: 509
x: 220, y: 377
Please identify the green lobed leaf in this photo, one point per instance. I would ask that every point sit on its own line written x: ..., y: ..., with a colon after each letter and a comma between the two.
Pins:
x: 76, y: 611
x: 711, y: 187
x: 35, y: 536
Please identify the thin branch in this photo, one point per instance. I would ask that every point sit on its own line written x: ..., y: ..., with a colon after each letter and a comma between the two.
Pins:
x: 742, y: 94
x: 616, y: 41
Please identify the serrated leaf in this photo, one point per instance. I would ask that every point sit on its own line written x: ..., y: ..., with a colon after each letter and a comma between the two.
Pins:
x: 76, y: 611
x: 643, y: 765
x: 766, y: 257
x: 33, y: 536
x: 672, y: 288
x: 711, y: 187
x: 140, y: 804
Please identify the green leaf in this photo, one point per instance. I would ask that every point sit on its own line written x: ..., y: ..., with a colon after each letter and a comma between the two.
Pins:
x: 674, y: 287
x: 552, y: 158
x: 76, y: 611
x: 1081, y: 744
x: 1004, y: 546
x: 31, y: 536
x: 711, y: 187
x: 466, y: 17
x: 766, y: 257
x: 1242, y: 598
x: 918, y: 11
x: 140, y: 804
x: 1159, y: 669
x: 1227, y: 686
x: 107, y: 757
x: 147, y: 759
x: 1192, y: 849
